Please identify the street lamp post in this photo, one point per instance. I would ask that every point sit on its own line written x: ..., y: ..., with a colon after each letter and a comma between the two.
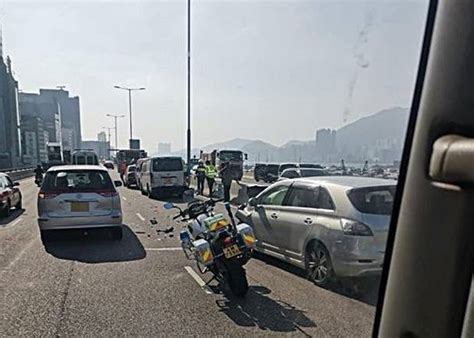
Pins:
x: 115, y: 120
x: 130, y: 103
x: 109, y: 139
x: 188, y: 155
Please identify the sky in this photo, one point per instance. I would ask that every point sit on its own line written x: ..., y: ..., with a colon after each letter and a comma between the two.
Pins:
x: 269, y: 70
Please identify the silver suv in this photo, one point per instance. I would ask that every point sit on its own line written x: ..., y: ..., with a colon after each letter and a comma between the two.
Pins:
x: 79, y: 196
x: 331, y: 226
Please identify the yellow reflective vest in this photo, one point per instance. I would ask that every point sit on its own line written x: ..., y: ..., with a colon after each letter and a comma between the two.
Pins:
x: 211, y: 171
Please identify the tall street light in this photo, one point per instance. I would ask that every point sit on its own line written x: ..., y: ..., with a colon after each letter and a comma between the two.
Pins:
x: 188, y: 157
x: 109, y: 139
x: 115, y: 120
x: 130, y: 104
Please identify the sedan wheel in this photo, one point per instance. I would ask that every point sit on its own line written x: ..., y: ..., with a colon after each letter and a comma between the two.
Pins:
x: 319, y: 266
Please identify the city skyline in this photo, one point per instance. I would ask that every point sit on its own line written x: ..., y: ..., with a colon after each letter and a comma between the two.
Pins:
x: 268, y: 62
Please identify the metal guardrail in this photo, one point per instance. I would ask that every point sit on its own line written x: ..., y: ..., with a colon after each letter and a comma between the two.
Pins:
x: 18, y: 173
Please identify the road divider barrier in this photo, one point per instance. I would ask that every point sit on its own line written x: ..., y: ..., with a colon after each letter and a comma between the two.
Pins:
x: 19, y: 173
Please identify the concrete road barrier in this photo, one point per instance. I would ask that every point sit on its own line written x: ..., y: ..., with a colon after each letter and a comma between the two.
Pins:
x: 18, y: 174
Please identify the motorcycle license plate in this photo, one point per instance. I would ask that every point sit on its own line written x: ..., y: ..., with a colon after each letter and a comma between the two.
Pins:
x: 231, y: 251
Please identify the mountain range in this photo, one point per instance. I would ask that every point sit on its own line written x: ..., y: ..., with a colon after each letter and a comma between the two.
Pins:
x: 377, y: 137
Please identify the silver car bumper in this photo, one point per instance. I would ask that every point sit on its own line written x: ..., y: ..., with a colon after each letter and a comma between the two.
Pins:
x: 356, y: 257
x: 58, y: 223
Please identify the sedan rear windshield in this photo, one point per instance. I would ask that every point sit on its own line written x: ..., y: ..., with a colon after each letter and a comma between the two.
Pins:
x: 77, y: 180
x: 167, y: 164
x: 373, y: 200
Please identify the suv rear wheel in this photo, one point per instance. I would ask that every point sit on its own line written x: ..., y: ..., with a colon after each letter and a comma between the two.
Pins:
x: 5, y: 212
x: 318, y: 265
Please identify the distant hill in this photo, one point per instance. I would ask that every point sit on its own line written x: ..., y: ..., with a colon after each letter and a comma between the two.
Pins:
x: 379, y: 136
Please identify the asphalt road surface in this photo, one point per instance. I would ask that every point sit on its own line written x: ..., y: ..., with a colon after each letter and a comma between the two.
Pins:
x: 88, y: 284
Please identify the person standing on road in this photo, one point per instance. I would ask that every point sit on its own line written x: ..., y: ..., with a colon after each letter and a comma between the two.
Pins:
x: 211, y: 174
x: 225, y: 173
x: 201, y: 177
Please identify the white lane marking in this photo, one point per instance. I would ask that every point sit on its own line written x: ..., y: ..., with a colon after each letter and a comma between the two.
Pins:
x: 141, y: 217
x: 17, y: 258
x: 164, y: 249
x: 16, y: 222
x: 198, y: 279
x: 124, y: 198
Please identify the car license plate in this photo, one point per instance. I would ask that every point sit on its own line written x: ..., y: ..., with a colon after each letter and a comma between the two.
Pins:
x: 231, y: 251
x: 79, y: 206
x: 168, y: 180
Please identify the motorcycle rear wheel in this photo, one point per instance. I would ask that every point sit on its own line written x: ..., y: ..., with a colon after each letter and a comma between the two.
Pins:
x: 237, y: 279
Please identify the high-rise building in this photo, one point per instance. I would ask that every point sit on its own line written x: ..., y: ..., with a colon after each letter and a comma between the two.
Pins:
x: 35, y: 105
x: 59, y: 112
x: 33, y: 140
x: 10, y: 147
x: 102, y: 136
x: 326, y: 144
x: 164, y: 148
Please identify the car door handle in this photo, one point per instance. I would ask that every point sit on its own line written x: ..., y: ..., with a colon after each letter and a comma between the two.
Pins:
x: 274, y: 216
x: 451, y: 160
x: 308, y: 221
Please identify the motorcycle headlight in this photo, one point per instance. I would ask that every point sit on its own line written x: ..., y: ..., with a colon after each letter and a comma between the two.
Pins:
x: 354, y: 228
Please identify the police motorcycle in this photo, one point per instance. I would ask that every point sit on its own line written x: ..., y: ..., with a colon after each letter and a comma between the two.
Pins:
x: 217, y: 246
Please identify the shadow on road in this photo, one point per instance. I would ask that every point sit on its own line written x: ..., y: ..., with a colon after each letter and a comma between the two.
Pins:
x: 257, y: 309
x: 14, y: 214
x: 364, y: 289
x: 95, y: 246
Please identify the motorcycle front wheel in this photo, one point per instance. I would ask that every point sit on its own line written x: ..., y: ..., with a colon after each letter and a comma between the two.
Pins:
x: 237, y: 279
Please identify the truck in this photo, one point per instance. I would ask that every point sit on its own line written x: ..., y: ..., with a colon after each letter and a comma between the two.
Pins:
x: 125, y: 157
x: 55, y: 154
x: 235, y: 158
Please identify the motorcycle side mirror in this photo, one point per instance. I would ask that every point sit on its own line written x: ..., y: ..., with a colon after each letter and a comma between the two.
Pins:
x: 188, y: 196
x: 168, y: 205
x: 253, y: 202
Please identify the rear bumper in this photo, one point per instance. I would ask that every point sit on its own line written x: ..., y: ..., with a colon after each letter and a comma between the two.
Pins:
x: 357, y: 268
x: 176, y: 189
x: 58, y: 223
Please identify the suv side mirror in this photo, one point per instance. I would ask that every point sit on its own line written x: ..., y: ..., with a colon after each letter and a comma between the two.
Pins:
x: 253, y: 202
x: 16, y: 184
x: 118, y: 183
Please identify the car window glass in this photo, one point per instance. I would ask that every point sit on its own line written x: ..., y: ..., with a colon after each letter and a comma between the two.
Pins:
x: 373, y: 200
x: 167, y: 164
x: 325, y: 200
x: 9, y: 182
x: 304, y: 197
x: 75, y: 180
x: 274, y: 196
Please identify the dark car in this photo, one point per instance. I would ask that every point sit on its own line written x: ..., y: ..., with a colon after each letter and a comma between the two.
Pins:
x: 10, y: 195
x: 260, y: 172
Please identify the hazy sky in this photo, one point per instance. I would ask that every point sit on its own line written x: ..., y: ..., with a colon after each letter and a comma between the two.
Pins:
x: 270, y: 70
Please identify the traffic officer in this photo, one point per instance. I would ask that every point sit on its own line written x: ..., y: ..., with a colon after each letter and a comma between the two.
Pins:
x: 211, y: 174
x: 201, y: 176
x: 225, y: 173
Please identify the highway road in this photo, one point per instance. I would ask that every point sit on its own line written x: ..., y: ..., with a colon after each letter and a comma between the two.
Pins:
x: 88, y: 284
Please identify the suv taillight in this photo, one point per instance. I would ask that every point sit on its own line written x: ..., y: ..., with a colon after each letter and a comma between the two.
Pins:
x: 47, y: 195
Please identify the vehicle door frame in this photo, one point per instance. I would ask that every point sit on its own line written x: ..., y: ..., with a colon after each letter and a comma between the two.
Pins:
x: 415, y: 298
x: 263, y: 210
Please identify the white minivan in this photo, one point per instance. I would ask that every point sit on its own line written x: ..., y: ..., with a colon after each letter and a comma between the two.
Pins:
x: 163, y: 175
x: 85, y: 157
